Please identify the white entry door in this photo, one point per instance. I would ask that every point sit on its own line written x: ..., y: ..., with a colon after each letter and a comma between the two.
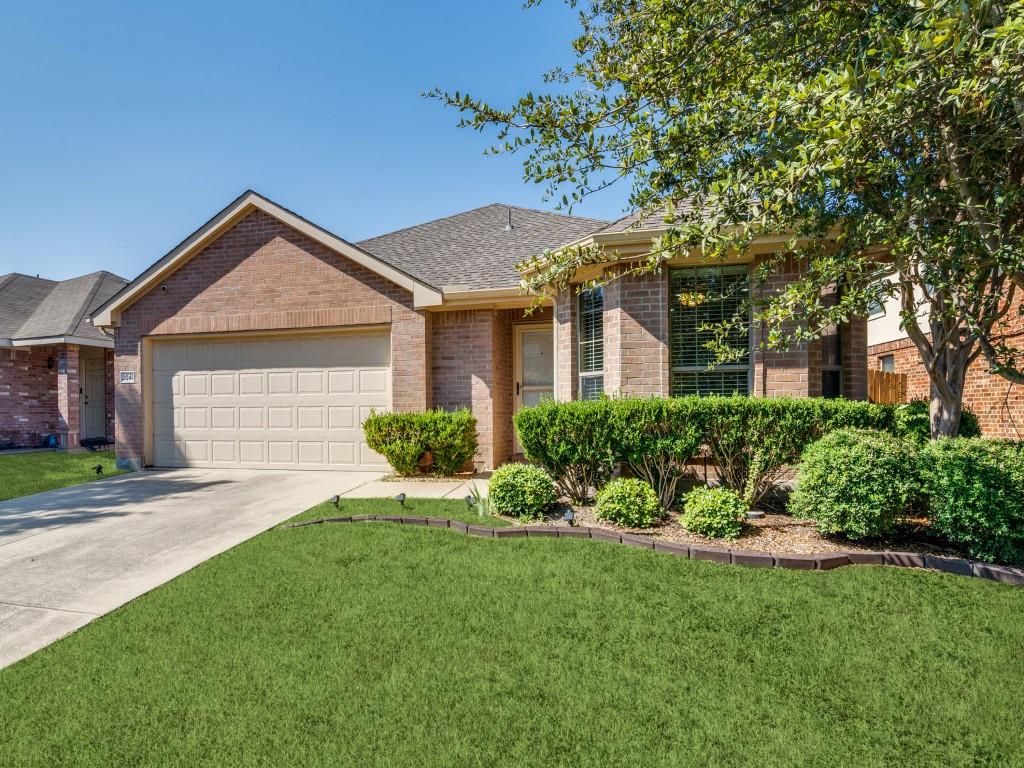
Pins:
x: 275, y: 403
x: 94, y: 398
x: 534, y: 356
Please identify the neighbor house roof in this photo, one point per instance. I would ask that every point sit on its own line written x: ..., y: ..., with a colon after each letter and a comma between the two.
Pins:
x: 34, y: 310
x: 477, y: 250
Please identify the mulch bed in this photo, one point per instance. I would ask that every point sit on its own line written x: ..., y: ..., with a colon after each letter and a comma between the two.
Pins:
x: 776, y: 533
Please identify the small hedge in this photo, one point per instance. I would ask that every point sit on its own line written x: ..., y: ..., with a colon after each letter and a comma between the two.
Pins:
x: 975, y: 491
x: 521, y: 490
x: 404, y: 438
x: 572, y: 441
x: 751, y: 439
x: 855, y: 483
x: 717, y: 513
x: 629, y: 502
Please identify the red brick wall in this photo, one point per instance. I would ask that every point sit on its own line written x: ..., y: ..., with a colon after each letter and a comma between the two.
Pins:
x: 69, y: 389
x: 472, y: 367
x: 636, y: 359
x: 462, y: 368
x: 263, y: 275
x: 565, y: 345
x: 108, y: 357
x: 998, y: 404
x: 636, y: 351
x: 28, y: 396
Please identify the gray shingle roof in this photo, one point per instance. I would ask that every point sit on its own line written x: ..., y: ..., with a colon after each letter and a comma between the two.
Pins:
x: 35, y: 308
x: 643, y: 220
x: 474, y: 250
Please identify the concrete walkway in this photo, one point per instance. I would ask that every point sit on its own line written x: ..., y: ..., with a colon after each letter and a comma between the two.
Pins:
x: 70, y: 555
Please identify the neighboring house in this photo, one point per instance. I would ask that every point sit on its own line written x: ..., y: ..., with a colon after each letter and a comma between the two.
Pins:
x: 263, y: 340
x: 998, y: 404
x: 56, y: 368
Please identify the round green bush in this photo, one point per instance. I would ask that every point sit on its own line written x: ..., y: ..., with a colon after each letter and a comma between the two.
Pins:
x: 975, y: 492
x: 855, y: 483
x: 630, y: 502
x: 522, y: 490
x: 717, y: 513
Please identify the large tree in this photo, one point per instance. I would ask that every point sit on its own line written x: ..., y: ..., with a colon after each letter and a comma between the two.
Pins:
x: 887, y: 138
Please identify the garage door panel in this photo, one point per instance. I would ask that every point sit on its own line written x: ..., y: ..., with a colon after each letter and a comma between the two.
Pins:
x: 250, y: 384
x: 251, y: 452
x: 223, y: 451
x: 296, y: 403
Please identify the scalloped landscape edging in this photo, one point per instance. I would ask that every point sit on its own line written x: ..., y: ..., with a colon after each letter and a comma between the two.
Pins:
x: 750, y: 558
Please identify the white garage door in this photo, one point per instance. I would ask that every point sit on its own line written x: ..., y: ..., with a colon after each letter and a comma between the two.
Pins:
x: 275, y: 402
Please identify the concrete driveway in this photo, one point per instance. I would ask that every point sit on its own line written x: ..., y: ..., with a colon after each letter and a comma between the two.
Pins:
x: 70, y: 555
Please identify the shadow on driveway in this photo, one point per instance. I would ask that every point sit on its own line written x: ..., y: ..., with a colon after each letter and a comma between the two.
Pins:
x: 100, y: 499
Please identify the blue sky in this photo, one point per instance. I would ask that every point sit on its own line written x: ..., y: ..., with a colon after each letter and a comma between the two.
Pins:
x: 123, y: 127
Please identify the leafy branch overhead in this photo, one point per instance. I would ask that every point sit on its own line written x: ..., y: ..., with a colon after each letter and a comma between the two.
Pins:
x: 884, y: 140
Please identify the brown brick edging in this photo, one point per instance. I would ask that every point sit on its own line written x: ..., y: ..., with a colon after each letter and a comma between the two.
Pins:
x: 750, y: 558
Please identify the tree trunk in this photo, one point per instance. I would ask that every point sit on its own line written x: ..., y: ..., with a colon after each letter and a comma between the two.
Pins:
x: 947, y: 388
x: 945, y: 414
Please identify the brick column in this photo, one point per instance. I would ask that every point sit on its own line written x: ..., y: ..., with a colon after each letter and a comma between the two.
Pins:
x: 779, y: 373
x: 565, y: 345
x: 855, y: 359
x: 636, y: 329
x: 68, y: 396
x: 410, y: 361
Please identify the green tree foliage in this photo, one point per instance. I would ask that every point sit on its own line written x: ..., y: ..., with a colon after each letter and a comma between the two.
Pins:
x: 885, y: 139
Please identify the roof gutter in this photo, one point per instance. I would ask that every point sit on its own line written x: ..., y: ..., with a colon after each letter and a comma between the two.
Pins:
x: 38, y: 341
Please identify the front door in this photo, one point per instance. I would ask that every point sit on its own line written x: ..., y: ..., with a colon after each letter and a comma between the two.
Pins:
x: 534, y: 367
x: 94, y: 398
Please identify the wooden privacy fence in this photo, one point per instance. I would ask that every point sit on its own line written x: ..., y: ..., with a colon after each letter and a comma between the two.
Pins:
x: 885, y: 387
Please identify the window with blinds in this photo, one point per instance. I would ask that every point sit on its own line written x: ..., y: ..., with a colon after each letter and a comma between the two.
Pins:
x: 590, y: 323
x: 700, y: 298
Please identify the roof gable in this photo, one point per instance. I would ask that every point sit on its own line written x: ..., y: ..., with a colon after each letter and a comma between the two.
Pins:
x: 108, y: 314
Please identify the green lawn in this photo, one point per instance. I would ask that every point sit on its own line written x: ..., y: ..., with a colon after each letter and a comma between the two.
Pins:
x: 455, y: 510
x: 379, y: 644
x: 24, y: 473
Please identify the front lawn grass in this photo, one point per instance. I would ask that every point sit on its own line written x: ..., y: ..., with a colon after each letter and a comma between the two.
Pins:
x: 450, y: 508
x: 380, y: 644
x: 22, y: 474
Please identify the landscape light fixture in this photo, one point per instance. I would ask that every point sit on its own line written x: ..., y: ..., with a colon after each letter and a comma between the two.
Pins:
x: 99, y: 469
x: 335, y: 500
x: 569, y: 517
x: 400, y: 498
x: 469, y: 501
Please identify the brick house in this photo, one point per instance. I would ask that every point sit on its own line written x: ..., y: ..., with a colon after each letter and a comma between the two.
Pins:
x: 56, y: 368
x: 998, y: 404
x: 263, y: 340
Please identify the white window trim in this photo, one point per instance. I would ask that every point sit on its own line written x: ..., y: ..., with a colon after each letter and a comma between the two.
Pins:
x: 581, y: 374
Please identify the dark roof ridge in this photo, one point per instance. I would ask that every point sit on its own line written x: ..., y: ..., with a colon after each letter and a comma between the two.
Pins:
x: 456, y: 215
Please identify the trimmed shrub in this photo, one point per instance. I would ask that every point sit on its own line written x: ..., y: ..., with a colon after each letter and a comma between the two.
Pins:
x: 912, y: 421
x: 629, y: 502
x: 403, y: 438
x: 717, y: 513
x: 753, y: 439
x: 855, y: 483
x: 521, y: 490
x: 975, y: 491
x: 451, y: 439
x: 657, y: 437
x: 572, y: 441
